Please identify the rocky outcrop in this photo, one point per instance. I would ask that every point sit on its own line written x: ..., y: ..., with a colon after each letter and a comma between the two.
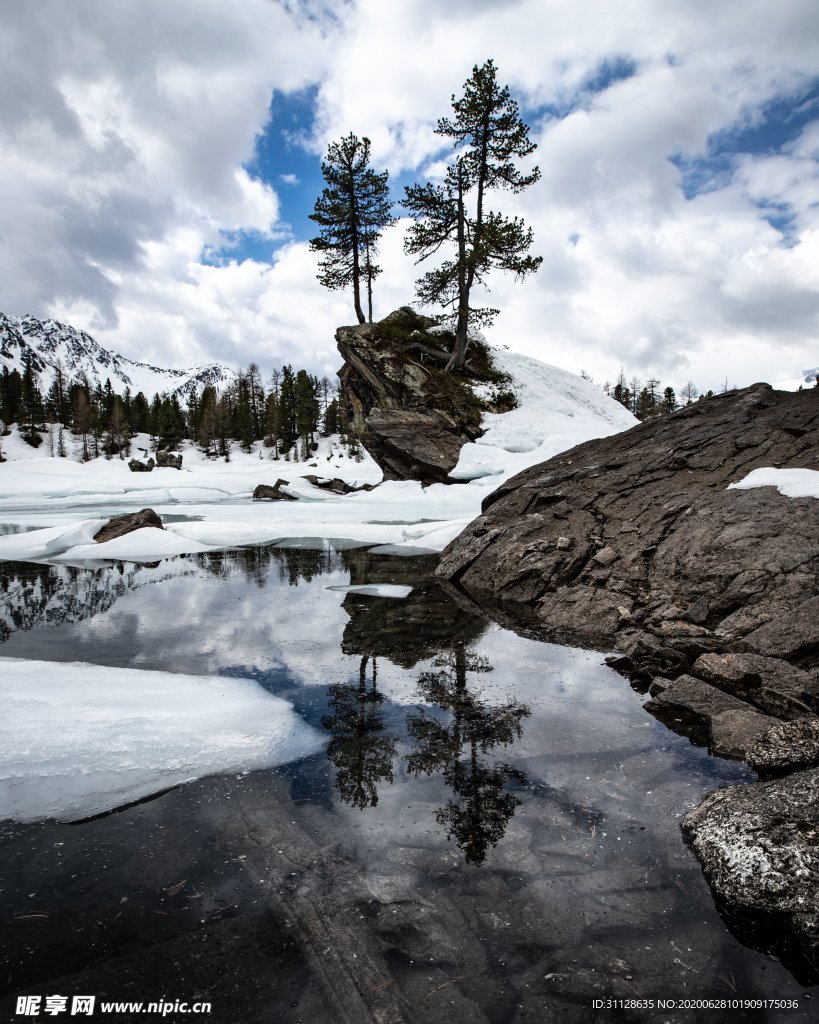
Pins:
x: 711, y: 596
x: 635, y: 541
x: 169, y: 460
x: 120, y: 525
x: 141, y: 467
x: 410, y: 415
x: 759, y: 849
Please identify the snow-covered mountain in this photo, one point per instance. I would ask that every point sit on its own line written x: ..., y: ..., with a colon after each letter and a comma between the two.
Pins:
x: 79, y: 354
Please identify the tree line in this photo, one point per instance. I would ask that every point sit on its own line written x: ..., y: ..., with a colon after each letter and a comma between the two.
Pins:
x: 288, y: 414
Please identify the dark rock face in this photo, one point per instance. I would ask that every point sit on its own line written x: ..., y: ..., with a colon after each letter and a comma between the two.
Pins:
x: 664, y: 561
x: 759, y: 849
x: 410, y: 416
x: 168, y: 460
x: 120, y: 525
x: 264, y: 492
x: 786, y: 747
x: 141, y: 467
x: 712, y: 597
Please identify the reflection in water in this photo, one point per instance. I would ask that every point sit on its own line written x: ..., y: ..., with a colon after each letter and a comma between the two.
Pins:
x: 477, y: 818
x: 360, y: 749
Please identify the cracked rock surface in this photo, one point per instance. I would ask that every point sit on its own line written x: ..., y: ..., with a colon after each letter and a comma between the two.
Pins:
x: 662, y: 553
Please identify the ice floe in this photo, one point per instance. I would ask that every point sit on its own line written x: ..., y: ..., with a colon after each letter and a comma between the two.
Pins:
x: 77, y: 740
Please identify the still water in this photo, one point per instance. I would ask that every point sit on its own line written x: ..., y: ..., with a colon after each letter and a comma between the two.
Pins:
x: 488, y: 833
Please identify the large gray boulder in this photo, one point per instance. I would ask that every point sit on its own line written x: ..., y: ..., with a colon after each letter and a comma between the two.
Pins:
x: 759, y: 850
x: 120, y: 525
x: 663, y: 560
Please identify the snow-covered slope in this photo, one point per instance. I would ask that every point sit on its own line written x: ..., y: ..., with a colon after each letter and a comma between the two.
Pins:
x: 557, y: 410
x: 51, y: 342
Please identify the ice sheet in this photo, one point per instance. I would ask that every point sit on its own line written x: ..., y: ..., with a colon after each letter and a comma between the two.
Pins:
x: 77, y: 739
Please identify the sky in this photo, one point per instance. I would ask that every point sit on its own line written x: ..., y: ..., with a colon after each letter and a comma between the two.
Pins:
x: 158, y: 163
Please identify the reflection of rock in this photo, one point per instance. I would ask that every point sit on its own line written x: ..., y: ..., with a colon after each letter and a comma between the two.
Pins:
x: 264, y: 492
x: 759, y: 849
x: 120, y: 525
x: 406, y: 631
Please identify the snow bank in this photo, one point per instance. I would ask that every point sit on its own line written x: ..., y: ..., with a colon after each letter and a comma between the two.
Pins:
x: 793, y: 483
x: 557, y: 410
x: 77, y: 740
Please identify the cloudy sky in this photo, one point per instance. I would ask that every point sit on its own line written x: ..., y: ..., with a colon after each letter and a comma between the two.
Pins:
x: 159, y: 161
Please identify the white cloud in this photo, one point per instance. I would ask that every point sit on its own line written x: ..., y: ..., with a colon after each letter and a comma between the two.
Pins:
x: 125, y: 139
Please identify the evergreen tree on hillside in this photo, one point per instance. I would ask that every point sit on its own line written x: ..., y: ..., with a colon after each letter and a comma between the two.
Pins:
x: 352, y: 211
x: 488, y: 137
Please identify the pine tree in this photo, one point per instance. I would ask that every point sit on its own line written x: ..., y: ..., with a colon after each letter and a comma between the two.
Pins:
x: 488, y: 136
x: 352, y: 211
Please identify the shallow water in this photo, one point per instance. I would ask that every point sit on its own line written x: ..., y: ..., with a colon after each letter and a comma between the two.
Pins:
x: 490, y: 834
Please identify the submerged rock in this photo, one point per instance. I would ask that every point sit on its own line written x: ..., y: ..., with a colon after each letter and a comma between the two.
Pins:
x: 759, y: 850
x: 120, y: 525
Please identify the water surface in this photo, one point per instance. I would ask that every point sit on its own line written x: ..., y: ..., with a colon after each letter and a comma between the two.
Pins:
x: 491, y: 832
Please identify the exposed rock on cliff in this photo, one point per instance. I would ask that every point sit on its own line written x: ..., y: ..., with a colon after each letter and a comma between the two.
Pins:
x: 410, y: 415
x: 635, y: 540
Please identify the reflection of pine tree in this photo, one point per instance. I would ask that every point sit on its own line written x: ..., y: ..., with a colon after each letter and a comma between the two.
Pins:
x: 360, y: 749
x: 477, y: 818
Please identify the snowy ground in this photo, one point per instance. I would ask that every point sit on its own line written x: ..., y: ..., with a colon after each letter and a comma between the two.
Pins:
x: 62, y: 503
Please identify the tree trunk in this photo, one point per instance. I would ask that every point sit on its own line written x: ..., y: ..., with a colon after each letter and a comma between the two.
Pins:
x: 458, y: 357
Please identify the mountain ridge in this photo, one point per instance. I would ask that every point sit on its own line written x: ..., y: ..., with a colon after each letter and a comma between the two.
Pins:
x: 51, y: 342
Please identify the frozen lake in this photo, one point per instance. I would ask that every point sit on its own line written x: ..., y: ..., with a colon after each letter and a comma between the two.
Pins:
x: 306, y: 785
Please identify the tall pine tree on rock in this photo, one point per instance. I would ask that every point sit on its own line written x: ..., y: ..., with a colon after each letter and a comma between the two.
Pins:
x: 488, y: 137
x: 351, y: 212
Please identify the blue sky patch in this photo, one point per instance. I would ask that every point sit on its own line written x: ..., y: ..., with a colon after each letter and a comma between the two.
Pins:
x: 767, y: 129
